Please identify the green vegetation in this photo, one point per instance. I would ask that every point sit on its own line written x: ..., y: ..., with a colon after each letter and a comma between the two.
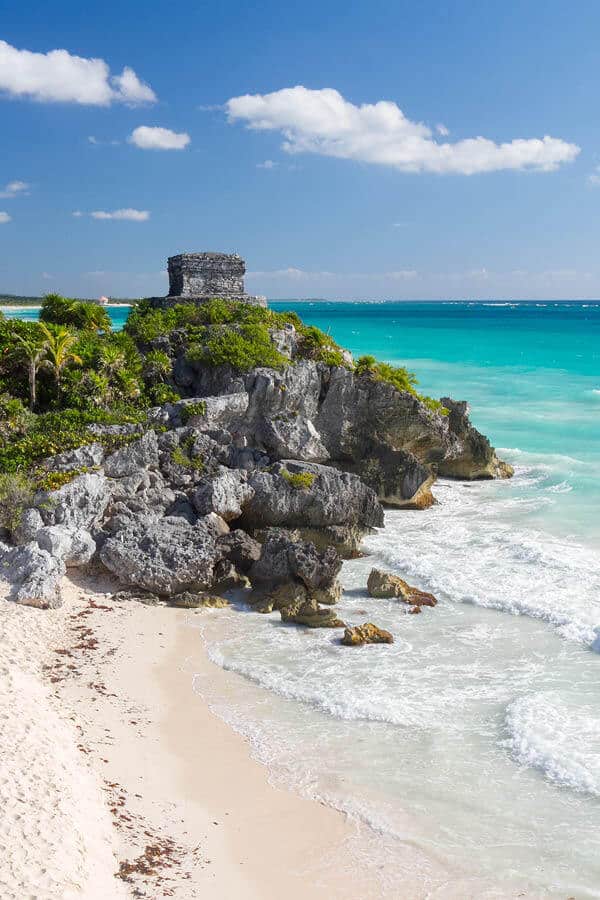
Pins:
x: 74, y: 313
x: 51, y: 481
x: 300, y: 481
x: 16, y: 492
x: 67, y: 372
x: 241, y: 347
x: 399, y: 377
x: 192, y: 409
x: 182, y: 456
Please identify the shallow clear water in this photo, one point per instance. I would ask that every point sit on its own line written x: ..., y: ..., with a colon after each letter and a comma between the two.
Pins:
x: 118, y: 314
x: 475, y: 738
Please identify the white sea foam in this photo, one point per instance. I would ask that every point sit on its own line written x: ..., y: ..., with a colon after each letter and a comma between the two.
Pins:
x: 491, y: 559
x: 560, y: 741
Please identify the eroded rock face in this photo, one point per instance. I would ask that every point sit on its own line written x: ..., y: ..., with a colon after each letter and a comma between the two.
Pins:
x: 167, y: 557
x: 141, y: 454
x: 477, y: 459
x: 291, y: 438
x: 366, y: 634
x: 34, y: 574
x: 74, y: 548
x: 332, y: 498
x: 28, y: 527
x: 79, y: 504
x: 87, y: 457
x: 359, y: 421
x: 226, y: 494
x: 240, y: 549
x: 385, y: 585
x: 282, y: 561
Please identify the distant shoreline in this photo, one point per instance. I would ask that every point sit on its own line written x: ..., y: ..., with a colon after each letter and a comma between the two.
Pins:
x: 13, y: 306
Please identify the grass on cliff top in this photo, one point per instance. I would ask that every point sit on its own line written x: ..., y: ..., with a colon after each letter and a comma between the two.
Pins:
x: 399, y: 377
x: 244, y: 346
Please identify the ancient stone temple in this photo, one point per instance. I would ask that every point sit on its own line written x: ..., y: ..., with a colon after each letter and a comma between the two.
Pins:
x: 198, y: 277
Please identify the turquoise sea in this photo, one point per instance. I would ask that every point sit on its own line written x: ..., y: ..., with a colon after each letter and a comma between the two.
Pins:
x: 470, y: 748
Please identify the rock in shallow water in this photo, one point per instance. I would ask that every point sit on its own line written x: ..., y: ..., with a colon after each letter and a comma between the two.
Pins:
x: 366, y: 634
x: 386, y: 586
x: 309, y: 613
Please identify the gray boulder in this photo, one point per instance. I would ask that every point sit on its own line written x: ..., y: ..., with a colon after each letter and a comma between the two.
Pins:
x: 282, y: 561
x: 331, y: 498
x: 166, y: 557
x: 29, y: 525
x: 225, y: 494
x: 74, y: 548
x: 34, y: 575
x: 86, y: 457
x: 79, y: 504
x: 140, y: 454
x: 291, y: 437
x: 240, y: 549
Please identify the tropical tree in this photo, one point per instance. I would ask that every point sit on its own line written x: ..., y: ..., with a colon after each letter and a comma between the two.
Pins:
x: 82, y: 314
x: 33, y: 349
x: 59, y: 351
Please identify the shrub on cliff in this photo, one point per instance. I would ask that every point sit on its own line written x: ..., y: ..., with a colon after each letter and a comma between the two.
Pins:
x: 80, y: 314
x: 243, y: 348
x: 16, y: 492
x: 399, y: 377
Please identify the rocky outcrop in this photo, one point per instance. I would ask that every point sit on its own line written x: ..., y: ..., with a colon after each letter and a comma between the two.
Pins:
x: 240, y: 549
x: 79, y: 504
x: 291, y: 572
x: 326, y: 497
x: 385, y: 585
x: 296, y: 460
x: 366, y: 634
x: 87, y: 457
x: 166, y: 557
x: 477, y: 459
x: 129, y: 460
x: 34, y: 575
x: 320, y: 413
x: 226, y: 493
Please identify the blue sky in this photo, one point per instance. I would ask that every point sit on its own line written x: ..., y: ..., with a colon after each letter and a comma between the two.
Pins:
x: 324, y: 190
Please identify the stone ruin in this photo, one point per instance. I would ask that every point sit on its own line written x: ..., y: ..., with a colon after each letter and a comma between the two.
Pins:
x: 198, y: 277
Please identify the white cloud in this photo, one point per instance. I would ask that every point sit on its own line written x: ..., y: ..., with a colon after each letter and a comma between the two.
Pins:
x: 149, y: 138
x: 324, y: 122
x: 296, y: 274
x: 129, y: 215
x: 267, y: 164
x: 441, y: 129
x: 4, y: 218
x: 99, y: 143
x: 14, y: 188
x: 60, y: 77
x: 594, y: 178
